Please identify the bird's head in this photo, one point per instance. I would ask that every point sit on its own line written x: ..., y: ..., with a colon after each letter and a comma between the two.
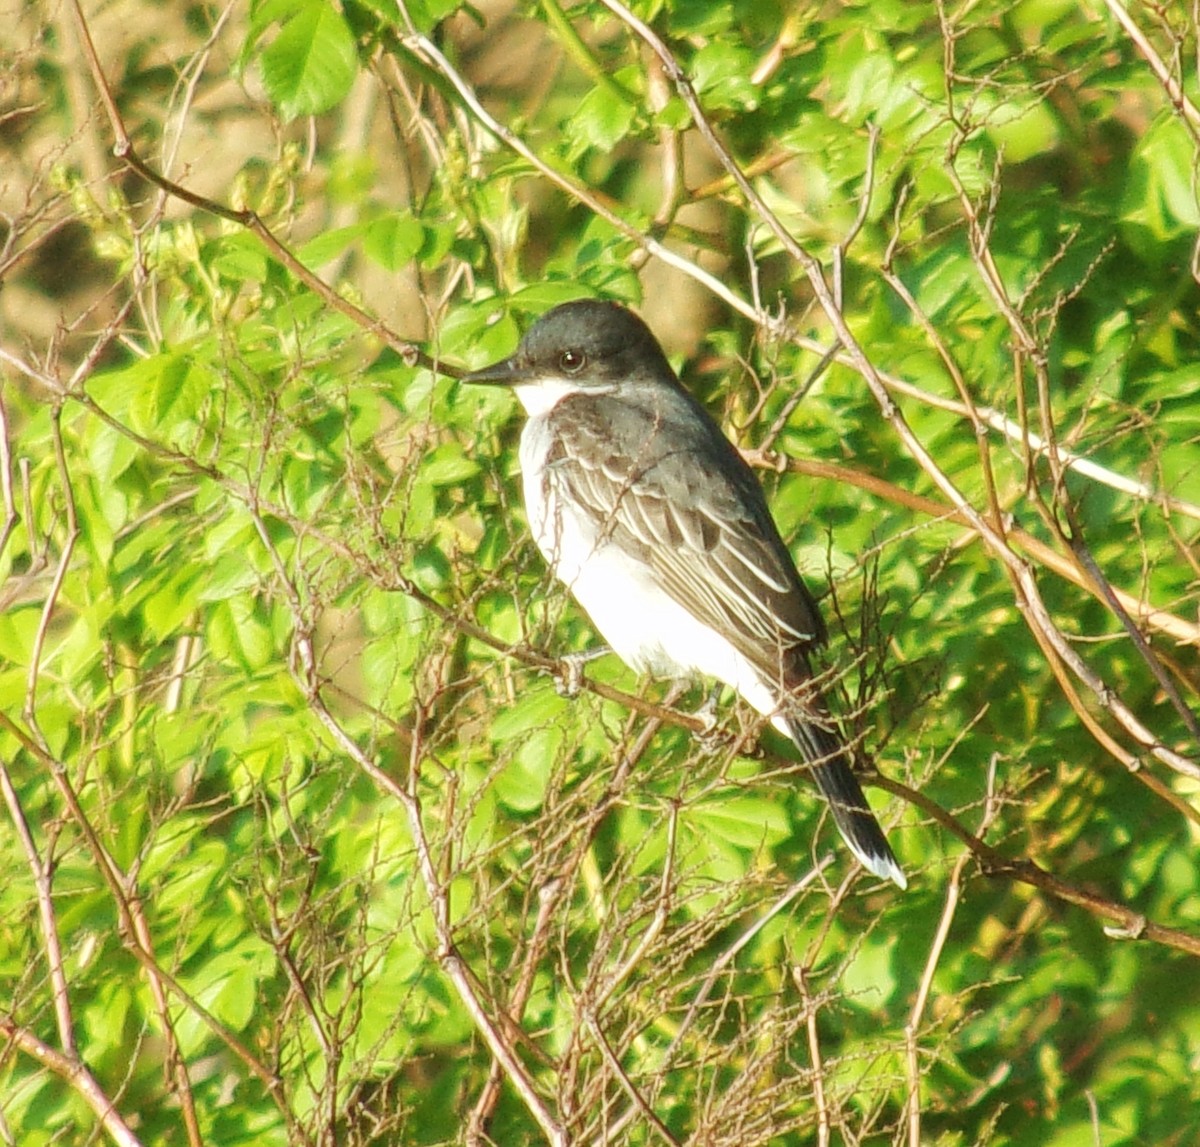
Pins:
x: 582, y: 346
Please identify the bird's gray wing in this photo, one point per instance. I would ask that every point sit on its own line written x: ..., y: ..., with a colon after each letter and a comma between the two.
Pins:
x: 686, y: 505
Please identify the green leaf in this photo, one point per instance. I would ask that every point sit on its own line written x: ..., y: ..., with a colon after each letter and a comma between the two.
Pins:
x: 310, y: 65
x: 449, y: 465
x: 232, y: 574
x: 536, y: 708
x: 1161, y: 194
x: 110, y: 453
x: 602, y: 120
x: 394, y: 241
x: 721, y: 75
x: 522, y: 784
x: 746, y: 821
x: 172, y: 602
x: 328, y: 245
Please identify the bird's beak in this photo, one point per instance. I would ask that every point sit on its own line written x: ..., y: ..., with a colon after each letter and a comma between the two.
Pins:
x: 506, y: 372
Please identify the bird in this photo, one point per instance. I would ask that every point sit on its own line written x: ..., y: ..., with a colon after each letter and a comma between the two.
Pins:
x: 660, y: 530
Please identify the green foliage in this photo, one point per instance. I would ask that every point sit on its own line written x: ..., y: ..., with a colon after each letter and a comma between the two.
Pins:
x: 309, y: 65
x: 300, y: 828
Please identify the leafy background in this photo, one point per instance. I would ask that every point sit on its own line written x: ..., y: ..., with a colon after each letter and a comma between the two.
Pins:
x: 304, y: 843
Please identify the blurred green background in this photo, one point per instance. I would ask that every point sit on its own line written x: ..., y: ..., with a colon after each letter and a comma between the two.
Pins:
x: 302, y: 842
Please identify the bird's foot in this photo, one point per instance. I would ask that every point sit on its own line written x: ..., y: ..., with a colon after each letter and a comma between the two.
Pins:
x: 708, y: 711
x: 709, y: 736
x: 569, y: 681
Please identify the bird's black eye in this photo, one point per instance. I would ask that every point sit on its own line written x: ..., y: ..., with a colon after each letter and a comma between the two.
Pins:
x: 572, y: 361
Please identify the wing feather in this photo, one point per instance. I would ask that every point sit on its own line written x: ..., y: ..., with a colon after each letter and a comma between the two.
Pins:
x: 711, y: 544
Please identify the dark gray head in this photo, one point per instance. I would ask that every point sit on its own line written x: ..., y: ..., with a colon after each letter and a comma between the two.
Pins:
x: 583, y: 345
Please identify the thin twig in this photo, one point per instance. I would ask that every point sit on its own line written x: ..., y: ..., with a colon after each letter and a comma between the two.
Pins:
x: 44, y: 887
x: 616, y: 1067
x: 800, y: 978
x: 953, y: 895
x: 1162, y: 71
x: 76, y: 1073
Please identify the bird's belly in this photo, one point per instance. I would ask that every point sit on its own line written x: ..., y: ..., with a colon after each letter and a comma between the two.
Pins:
x: 646, y: 627
x: 649, y: 630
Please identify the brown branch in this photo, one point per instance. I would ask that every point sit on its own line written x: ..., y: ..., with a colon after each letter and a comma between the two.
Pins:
x: 1101, y: 587
x: 1172, y: 625
x: 1130, y: 924
x: 1162, y: 72
x: 630, y: 1088
x: 11, y: 514
x: 74, y: 1072
x: 44, y: 887
x: 1020, y: 435
x: 800, y: 978
x: 51, y: 602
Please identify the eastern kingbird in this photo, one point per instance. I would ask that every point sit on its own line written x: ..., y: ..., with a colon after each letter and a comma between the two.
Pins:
x: 660, y: 530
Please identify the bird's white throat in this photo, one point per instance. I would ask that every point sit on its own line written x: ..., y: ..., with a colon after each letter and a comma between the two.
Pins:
x: 541, y: 397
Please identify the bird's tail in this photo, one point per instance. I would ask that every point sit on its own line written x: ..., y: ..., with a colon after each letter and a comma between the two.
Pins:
x: 830, y: 762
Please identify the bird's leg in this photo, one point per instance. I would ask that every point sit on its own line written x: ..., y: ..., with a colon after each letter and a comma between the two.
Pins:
x: 708, y: 711
x: 570, y: 681
x: 710, y: 738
